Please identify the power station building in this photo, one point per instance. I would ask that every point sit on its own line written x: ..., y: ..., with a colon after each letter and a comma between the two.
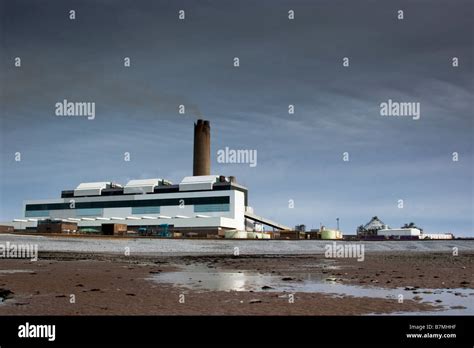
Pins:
x: 200, y: 205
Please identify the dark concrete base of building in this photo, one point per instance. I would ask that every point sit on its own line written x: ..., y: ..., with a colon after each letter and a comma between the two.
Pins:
x: 182, y: 232
x: 114, y: 229
x: 51, y: 226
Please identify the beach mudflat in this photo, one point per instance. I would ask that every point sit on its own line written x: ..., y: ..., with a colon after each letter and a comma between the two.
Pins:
x: 70, y: 283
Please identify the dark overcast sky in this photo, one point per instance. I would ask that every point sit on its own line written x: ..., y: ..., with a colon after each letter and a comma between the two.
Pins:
x: 282, y: 62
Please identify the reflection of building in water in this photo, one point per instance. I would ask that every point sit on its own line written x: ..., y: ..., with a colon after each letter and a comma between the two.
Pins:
x: 199, y: 277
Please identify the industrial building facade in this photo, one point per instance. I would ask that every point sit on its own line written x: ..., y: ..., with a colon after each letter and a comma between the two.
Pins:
x: 206, y: 202
x: 201, y: 204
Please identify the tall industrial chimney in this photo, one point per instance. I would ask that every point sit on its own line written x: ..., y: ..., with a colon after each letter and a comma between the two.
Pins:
x: 202, y: 148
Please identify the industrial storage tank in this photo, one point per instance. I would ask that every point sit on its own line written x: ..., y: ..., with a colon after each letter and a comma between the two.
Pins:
x: 330, y: 234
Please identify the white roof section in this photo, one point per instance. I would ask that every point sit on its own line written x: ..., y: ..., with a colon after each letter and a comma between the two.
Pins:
x: 141, y: 185
x: 194, y: 183
x: 181, y: 217
x: 90, y: 188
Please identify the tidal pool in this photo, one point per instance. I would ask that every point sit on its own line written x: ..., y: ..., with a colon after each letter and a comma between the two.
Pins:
x: 199, y: 277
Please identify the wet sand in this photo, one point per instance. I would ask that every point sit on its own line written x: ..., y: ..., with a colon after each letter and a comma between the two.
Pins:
x: 120, y: 285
